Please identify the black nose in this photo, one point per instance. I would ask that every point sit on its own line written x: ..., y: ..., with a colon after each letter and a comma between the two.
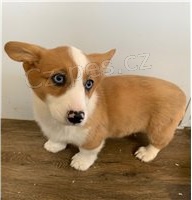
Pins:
x: 75, y: 117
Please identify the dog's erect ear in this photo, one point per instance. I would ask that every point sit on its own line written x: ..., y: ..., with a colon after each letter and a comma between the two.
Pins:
x: 102, y: 59
x: 23, y: 52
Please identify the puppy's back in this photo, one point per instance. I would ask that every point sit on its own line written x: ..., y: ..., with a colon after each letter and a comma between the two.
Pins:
x: 132, y: 101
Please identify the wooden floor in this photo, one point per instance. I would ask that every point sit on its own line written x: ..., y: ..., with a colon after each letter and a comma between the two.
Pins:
x: 31, y: 173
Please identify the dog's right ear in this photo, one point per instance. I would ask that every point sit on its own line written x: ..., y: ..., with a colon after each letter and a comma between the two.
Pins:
x: 24, y: 52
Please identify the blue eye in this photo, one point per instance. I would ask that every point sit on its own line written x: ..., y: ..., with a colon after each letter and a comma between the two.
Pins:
x: 58, y: 79
x: 89, y: 84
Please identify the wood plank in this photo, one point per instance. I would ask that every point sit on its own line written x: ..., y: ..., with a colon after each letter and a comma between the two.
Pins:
x: 31, y: 173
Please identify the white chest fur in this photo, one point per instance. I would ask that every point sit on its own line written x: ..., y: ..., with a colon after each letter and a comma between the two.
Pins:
x: 54, y: 130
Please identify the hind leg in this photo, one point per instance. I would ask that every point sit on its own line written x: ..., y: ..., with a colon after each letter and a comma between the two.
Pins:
x: 147, y: 153
x: 159, y: 138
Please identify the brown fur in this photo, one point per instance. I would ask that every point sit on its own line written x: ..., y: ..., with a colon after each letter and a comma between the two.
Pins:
x: 40, y: 64
x: 130, y: 104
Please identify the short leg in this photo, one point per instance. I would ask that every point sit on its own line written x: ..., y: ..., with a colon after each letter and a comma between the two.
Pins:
x: 54, y: 147
x: 159, y: 138
x: 85, y: 158
x: 147, y: 154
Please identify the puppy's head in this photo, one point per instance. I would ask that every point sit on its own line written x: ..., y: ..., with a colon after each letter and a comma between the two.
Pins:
x: 64, y: 78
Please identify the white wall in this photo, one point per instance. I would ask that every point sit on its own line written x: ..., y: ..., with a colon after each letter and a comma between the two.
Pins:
x: 159, y: 29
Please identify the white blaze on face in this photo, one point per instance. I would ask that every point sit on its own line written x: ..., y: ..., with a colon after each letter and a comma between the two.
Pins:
x: 77, y: 92
x: 75, y: 98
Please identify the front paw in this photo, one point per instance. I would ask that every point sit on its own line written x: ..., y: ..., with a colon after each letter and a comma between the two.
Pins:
x: 82, y: 161
x: 54, y: 147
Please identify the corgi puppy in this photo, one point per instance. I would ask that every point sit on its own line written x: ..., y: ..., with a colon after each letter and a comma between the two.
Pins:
x: 75, y: 103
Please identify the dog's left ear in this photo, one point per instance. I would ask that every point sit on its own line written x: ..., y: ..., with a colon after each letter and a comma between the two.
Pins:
x: 102, y: 59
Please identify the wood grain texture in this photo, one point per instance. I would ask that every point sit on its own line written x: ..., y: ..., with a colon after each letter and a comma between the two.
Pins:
x: 31, y: 173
